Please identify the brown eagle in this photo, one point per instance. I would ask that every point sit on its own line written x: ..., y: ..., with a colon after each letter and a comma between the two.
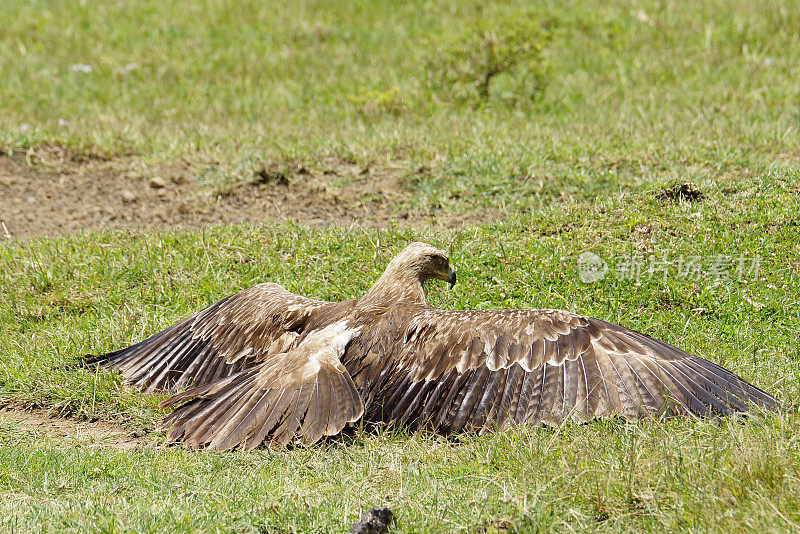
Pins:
x: 268, y: 365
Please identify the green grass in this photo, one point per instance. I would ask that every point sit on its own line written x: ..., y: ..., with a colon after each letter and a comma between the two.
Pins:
x: 638, y: 95
x: 602, y: 477
x: 84, y: 294
x: 638, y: 92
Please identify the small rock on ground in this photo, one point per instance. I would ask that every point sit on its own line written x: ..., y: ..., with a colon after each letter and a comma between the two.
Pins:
x: 157, y: 182
x: 374, y: 521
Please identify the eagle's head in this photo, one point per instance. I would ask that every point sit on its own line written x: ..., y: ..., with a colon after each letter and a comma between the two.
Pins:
x: 424, y: 261
x: 403, y: 279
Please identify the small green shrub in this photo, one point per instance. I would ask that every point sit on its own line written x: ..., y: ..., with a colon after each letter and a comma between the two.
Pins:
x: 491, y: 59
x: 370, y: 103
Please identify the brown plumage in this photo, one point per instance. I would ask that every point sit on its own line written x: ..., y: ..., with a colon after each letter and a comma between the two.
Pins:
x: 268, y: 365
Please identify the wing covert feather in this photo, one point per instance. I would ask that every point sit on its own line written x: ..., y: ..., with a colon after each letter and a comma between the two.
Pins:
x: 305, y: 393
x: 477, y: 370
x: 227, y: 337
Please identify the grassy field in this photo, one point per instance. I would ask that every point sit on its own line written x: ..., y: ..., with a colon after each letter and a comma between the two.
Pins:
x: 634, y: 96
x: 636, y: 93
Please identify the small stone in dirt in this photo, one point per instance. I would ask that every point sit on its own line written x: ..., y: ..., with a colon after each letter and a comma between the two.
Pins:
x: 374, y: 521
x: 682, y: 191
x: 403, y: 214
x: 161, y: 193
x: 500, y: 526
x: 31, y: 200
x: 128, y: 197
x: 157, y: 182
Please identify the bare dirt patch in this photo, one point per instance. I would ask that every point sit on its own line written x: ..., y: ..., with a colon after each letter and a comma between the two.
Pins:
x: 681, y: 191
x: 102, y: 433
x: 55, y: 191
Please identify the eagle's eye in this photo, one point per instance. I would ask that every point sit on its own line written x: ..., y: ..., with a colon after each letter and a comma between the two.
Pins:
x: 440, y: 262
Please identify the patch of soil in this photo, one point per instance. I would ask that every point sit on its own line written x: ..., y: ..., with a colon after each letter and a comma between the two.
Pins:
x: 55, y: 191
x: 102, y: 433
x: 682, y: 191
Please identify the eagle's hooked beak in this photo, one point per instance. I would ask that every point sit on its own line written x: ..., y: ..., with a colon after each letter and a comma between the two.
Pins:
x: 448, y: 275
x: 451, y: 278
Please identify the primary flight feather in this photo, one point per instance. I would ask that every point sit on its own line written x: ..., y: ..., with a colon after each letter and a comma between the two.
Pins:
x: 266, y: 365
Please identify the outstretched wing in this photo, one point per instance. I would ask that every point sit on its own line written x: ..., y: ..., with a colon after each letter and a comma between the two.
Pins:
x: 219, y: 341
x: 305, y: 393
x: 478, y: 370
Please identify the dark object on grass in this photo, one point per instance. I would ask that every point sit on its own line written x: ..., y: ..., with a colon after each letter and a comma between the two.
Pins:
x: 270, y: 174
x: 374, y: 521
x: 682, y: 191
x: 266, y: 365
